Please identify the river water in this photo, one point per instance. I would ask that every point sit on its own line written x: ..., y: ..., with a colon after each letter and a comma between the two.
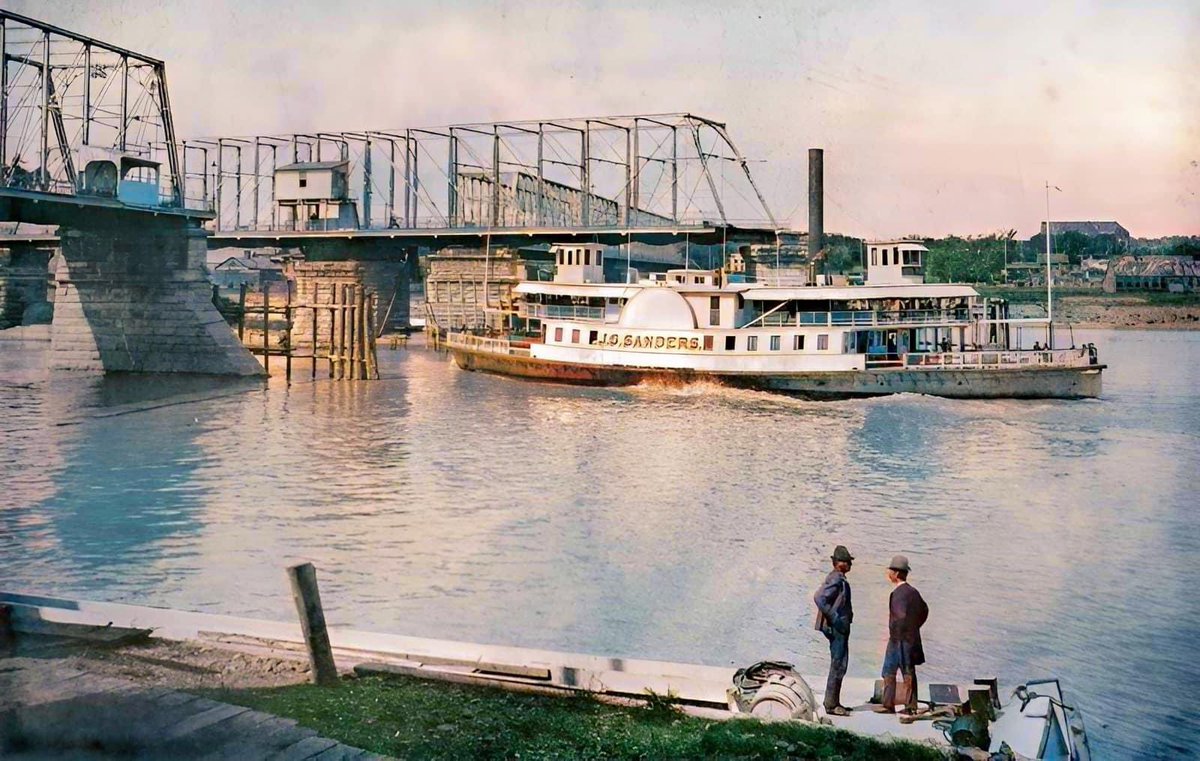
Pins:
x: 1051, y: 538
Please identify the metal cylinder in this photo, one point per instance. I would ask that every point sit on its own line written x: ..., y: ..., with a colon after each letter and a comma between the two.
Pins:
x: 816, y: 200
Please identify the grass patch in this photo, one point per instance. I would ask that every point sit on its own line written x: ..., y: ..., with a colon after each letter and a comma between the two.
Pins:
x: 414, y: 718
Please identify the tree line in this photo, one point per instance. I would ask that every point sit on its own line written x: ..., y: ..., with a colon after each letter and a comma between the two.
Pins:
x: 982, y: 258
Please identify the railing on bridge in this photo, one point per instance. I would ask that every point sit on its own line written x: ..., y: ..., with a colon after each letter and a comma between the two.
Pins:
x: 81, y: 117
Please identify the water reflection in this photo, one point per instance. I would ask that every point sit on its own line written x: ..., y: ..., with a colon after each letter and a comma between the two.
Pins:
x: 1051, y: 538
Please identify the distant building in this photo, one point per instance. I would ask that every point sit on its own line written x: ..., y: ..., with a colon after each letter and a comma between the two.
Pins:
x: 1177, y: 274
x: 315, y: 195
x: 1113, y: 231
x: 250, y: 269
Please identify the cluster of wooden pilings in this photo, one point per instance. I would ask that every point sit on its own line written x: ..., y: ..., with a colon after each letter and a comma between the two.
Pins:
x: 341, y: 332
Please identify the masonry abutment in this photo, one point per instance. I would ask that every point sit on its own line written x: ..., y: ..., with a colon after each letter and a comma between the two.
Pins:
x: 134, y: 298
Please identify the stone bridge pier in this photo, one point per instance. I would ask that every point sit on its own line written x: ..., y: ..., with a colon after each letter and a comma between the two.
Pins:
x: 134, y: 298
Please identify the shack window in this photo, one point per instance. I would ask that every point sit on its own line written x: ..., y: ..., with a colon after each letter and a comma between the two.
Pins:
x: 774, y: 343
x: 797, y: 343
x: 708, y: 343
x: 822, y: 342
x: 752, y: 343
x: 575, y: 336
x: 730, y: 343
x: 303, y: 180
x: 558, y: 335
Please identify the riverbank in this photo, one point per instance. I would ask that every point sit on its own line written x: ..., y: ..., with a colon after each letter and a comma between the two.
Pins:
x: 408, y: 717
x: 414, y: 718
x: 1091, y: 308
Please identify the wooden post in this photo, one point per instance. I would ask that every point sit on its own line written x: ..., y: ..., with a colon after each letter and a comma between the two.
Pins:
x: 312, y: 623
x: 372, y: 354
x: 266, y: 289
x: 287, y: 317
x: 335, y: 335
x: 315, y: 316
x: 242, y: 313
x: 352, y: 341
x: 343, y: 339
x: 361, y: 347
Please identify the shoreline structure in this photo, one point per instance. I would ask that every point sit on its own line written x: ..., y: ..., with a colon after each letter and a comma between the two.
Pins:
x: 697, y: 690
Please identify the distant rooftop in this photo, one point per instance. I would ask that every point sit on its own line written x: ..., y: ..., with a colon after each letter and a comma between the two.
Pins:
x: 1087, y: 228
x: 304, y: 166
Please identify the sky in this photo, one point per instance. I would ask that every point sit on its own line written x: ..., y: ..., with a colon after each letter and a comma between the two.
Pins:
x: 936, y: 117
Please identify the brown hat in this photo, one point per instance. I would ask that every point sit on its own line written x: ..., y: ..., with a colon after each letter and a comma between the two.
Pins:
x: 899, y: 563
x: 840, y: 553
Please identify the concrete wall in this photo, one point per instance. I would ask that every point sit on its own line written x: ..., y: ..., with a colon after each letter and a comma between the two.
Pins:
x: 23, y: 279
x: 316, y: 283
x: 133, y: 297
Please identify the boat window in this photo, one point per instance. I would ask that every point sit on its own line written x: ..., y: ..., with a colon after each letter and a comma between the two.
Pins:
x: 752, y: 343
x: 587, y: 256
x: 822, y: 342
x: 708, y: 343
x: 714, y: 310
x: 575, y: 336
x: 797, y: 343
x: 874, y: 256
x: 558, y: 335
x: 774, y: 343
x: 730, y: 343
x: 591, y: 337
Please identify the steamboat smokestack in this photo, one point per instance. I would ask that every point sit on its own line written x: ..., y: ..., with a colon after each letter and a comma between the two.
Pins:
x: 816, y: 201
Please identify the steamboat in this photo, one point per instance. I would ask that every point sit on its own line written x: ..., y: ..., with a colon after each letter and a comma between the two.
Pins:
x: 894, y: 333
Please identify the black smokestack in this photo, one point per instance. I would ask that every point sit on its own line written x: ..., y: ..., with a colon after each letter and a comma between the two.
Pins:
x: 816, y: 201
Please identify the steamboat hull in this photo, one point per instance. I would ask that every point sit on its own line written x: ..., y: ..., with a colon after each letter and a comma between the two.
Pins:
x: 1040, y: 382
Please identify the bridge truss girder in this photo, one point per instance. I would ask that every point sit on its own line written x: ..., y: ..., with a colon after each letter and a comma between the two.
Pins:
x: 636, y: 171
x: 62, y: 93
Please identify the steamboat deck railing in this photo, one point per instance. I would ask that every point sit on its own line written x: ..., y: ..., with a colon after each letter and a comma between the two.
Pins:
x: 1080, y: 357
x: 870, y: 318
x: 486, y: 344
x: 560, y: 312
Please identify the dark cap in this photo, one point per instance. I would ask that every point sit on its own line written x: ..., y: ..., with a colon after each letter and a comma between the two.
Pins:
x: 840, y: 553
x: 899, y: 563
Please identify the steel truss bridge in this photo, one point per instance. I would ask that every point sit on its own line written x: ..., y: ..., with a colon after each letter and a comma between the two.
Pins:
x: 648, y: 177
x: 69, y: 102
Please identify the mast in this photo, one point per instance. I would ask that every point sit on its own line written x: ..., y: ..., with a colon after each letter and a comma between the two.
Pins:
x: 1049, y: 284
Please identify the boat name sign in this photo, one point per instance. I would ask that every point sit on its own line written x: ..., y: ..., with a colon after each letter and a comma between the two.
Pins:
x: 638, y: 341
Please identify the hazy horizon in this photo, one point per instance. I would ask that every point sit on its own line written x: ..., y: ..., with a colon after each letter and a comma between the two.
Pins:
x: 934, y: 120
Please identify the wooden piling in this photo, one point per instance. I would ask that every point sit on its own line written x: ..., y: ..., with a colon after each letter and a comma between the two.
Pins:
x: 361, y: 306
x: 242, y: 313
x: 352, y: 334
x: 315, y: 316
x: 335, y: 331
x: 287, y: 318
x: 312, y: 623
x: 266, y: 314
x: 343, y: 354
x: 372, y: 351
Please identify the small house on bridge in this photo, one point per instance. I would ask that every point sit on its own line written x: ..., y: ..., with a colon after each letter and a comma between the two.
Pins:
x: 315, y: 195
x: 127, y: 177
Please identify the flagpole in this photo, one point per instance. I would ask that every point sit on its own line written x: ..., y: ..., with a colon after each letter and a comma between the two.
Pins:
x: 1049, y: 292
